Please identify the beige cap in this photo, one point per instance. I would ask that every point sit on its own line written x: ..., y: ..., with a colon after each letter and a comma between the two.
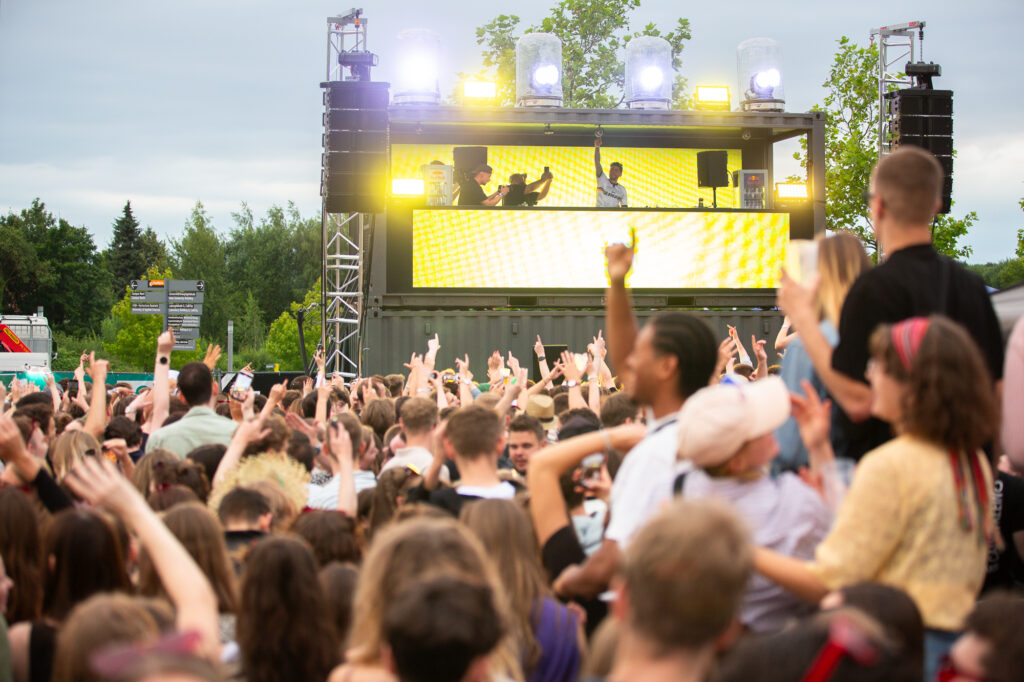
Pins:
x: 715, y: 422
x: 543, y: 408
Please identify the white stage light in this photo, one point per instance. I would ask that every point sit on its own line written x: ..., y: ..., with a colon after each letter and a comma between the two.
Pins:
x: 648, y: 73
x: 418, y: 56
x: 759, y: 73
x: 539, y: 70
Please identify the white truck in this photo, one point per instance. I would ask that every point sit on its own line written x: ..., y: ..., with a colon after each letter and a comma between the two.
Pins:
x: 26, y: 344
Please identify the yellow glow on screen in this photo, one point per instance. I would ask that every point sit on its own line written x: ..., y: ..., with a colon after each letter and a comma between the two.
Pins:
x: 653, y: 178
x: 565, y: 249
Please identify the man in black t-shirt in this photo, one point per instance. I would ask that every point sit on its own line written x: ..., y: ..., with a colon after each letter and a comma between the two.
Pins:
x: 471, y: 191
x: 913, y: 280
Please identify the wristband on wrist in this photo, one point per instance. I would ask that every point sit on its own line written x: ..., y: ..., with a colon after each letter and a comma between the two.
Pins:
x: 607, y: 441
x: 572, y: 383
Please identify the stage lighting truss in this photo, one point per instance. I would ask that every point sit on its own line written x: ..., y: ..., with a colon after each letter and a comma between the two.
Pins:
x: 713, y: 98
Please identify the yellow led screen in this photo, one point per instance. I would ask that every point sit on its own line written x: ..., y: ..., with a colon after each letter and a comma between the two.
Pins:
x: 565, y: 249
x: 653, y: 178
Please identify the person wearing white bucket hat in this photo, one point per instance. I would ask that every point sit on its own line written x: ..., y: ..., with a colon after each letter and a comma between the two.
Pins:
x: 727, y: 432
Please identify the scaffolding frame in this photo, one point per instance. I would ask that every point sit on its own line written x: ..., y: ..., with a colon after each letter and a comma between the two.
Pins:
x: 342, y: 290
x: 898, y: 38
x: 347, y: 28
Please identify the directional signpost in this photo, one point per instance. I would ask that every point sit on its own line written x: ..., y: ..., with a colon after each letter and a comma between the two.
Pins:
x: 179, y: 301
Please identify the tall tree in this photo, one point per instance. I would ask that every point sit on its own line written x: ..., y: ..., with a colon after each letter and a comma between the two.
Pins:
x: 67, y: 275
x: 125, y: 257
x: 851, y: 150
x: 154, y: 253
x: 200, y: 254
x: 594, y: 34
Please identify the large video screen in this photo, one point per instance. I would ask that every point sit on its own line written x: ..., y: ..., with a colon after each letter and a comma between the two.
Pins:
x: 564, y: 249
x: 653, y: 178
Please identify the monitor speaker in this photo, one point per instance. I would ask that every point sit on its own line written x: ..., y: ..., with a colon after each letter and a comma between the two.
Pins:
x: 712, y: 169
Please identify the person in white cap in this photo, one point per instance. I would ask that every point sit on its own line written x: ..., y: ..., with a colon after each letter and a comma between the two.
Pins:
x: 726, y: 433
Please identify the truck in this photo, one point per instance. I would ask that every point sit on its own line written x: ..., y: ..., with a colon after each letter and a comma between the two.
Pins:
x: 26, y: 344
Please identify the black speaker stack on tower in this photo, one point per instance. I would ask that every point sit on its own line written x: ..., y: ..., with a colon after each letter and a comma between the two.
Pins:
x: 354, y: 171
x: 923, y: 117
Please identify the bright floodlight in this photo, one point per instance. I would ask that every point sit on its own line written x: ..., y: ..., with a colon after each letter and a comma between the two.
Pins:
x: 713, y: 97
x: 408, y: 187
x: 418, y: 56
x: 479, y: 90
x: 546, y: 74
x: 539, y: 70
x: 759, y: 72
x: 648, y: 73
x: 650, y: 78
x: 791, y: 190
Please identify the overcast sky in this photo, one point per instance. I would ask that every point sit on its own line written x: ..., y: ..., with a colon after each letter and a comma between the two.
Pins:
x: 164, y: 104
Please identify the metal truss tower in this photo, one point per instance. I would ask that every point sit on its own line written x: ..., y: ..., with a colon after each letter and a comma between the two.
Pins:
x: 895, y: 46
x: 342, y: 270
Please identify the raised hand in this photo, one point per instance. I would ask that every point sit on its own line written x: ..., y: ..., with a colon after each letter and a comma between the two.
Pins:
x: 97, y: 481
x: 569, y: 368
x: 619, y: 260
x: 212, y: 356
x: 339, y: 444
x: 495, y: 361
x: 11, y: 444
x: 598, y: 348
x: 538, y: 347
x: 307, y: 386
x: 98, y: 370
x: 758, y: 347
x: 320, y: 358
x: 813, y: 417
x: 513, y: 364
x: 277, y: 392
x: 165, y: 343
x: 463, y: 368
x: 433, y: 345
x: 797, y: 300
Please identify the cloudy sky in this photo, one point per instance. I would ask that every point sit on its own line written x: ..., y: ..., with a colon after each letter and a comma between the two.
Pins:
x: 164, y: 104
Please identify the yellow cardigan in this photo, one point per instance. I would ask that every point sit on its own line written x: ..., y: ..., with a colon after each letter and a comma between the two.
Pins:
x: 899, y: 525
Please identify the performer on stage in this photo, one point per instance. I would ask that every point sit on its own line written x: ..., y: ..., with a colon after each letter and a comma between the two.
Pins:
x: 610, y: 194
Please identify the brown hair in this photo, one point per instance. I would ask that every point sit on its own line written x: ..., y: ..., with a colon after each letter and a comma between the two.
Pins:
x: 508, y: 538
x: 950, y: 398
x: 524, y: 423
x: 419, y: 415
x: 338, y: 581
x: 203, y: 538
x: 617, y: 409
x: 102, y: 621
x: 275, y: 441
x: 85, y: 556
x: 142, y: 476
x: 330, y: 534
x: 22, y: 553
x: 841, y: 260
x: 68, y: 450
x: 391, y: 485
x: 379, y: 415
x: 996, y: 619
x: 282, y: 508
x: 474, y: 431
x: 686, y: 572
x: 909, y: 182
x: 283, y: 630
x: 420, y: 549
x: 355, y: 431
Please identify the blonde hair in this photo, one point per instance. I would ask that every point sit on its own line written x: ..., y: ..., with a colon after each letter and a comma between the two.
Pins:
x: 70, y: 448
x: 420, y: 549
x: 281, y: 479
x: 841, y: 260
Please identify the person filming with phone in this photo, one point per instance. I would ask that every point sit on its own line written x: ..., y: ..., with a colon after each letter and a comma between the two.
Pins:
x: 520, y: 193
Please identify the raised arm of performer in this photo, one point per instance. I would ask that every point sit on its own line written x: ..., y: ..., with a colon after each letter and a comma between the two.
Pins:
x: 597, y: 156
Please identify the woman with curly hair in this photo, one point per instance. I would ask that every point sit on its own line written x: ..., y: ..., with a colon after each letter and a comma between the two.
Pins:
x: 919, y: 513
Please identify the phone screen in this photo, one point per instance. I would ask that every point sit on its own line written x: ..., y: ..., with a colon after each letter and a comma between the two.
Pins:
x: 242, y: 383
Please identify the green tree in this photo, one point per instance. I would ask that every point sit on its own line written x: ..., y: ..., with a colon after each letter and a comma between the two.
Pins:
x: 594, y: 34
x: 283, y: 339
x: 154, y: 253
x: 851, y: 150
x: 1020, y: 236
x: 1000, y: 275
x: 251, y: 328
x: 200, y: 254
x: 124, y: 256
x: 56, y: 266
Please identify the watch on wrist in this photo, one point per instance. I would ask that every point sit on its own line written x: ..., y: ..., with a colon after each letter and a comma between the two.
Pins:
x: 572, y: 383
x: 541, y: 358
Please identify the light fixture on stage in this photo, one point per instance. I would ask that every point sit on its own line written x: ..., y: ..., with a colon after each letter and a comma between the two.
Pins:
x: 648, y: 73
x: 408, y: 187
x: 418, y: 56
x: 713, y: 97
x: 790, y: 190
x: 539, y: 70
x: 479, y: 91
x: 759, y: 74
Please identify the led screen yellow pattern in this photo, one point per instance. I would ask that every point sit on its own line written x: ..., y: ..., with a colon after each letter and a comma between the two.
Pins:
x: 565, y: 249
x: 653, y: 178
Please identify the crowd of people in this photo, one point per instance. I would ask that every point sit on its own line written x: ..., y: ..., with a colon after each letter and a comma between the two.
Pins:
x: 663, y: 506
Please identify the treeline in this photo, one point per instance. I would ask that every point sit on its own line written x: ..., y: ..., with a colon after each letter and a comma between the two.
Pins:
x: 1001, y: 275
x: 254, y: 271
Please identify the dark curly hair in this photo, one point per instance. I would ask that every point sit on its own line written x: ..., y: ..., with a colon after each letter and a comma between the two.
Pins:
x: 950, y: 398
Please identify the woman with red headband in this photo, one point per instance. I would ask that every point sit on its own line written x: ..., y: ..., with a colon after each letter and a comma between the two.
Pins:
x: 918, y: 515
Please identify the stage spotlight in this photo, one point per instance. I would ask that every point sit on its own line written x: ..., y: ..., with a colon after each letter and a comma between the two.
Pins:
x: 546, y: 74
x: 408, y: 187
x: 759, y: 75
x: 539, y: 70
x: 418, y: 55
x: 479, y: 90
x: 790, y: 190
x: 648, y: 73
x: 713, y: 97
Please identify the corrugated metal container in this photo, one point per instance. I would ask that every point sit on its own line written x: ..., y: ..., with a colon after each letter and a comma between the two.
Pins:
x: 33, y: 330
x: 391, y: 336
